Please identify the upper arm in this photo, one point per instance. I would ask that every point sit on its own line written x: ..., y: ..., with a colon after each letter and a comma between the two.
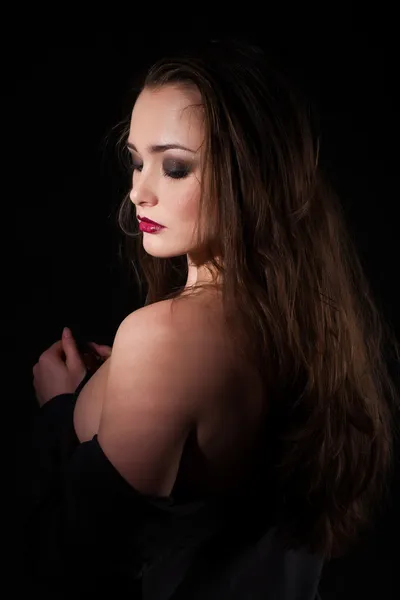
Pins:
x: 153, y: 388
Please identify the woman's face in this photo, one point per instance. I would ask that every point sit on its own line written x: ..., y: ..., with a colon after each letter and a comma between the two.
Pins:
x: 165, y: 140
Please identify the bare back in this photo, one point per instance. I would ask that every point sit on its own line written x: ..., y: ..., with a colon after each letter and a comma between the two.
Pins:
x: 220, y: 450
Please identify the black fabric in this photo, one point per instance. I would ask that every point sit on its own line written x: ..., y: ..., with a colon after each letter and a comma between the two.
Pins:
x: 89, y: 533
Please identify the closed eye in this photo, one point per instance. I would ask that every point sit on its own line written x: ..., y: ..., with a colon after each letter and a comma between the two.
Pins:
x: 175, y: 169
x: 136, y: 166
x: 171, y: 168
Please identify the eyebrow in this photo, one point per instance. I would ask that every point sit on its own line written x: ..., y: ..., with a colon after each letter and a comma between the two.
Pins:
x: 157, y: 148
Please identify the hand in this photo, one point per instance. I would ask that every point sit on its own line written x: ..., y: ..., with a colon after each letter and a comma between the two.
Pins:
x: 60, y: 370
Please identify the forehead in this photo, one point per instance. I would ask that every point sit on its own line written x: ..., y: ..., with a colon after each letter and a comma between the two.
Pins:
x: 167, y: 115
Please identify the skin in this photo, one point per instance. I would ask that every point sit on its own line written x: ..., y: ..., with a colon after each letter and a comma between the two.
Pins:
x: 166, y: 184
x: 153, y: 393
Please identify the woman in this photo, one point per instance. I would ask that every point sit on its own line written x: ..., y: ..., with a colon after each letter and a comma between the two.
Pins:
x: 250, y: 394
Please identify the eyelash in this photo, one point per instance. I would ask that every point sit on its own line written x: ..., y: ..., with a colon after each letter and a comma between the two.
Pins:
x: 176, y: 174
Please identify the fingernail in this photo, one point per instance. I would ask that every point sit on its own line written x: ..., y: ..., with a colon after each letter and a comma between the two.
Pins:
x: 67, y: 332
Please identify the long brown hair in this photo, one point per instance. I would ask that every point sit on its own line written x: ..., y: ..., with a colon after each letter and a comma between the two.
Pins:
x: 293, y: 281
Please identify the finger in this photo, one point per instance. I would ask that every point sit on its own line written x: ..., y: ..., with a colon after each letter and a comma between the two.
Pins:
x: 58, y: 348
x: 55, y: 349
x: 73, y: 357
x: 101, y: 349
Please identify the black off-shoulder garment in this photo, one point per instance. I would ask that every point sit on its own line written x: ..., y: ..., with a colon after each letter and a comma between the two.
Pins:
x: 90, y: 534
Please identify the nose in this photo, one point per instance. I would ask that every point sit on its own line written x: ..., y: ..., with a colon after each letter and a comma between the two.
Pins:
x: 142, y: 192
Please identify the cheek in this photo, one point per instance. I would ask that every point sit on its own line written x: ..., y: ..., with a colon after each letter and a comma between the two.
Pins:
x: 187, y: 200
x: 183, y: 200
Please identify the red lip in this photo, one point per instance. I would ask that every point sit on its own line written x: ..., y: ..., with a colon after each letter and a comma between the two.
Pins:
x: 146, y: 220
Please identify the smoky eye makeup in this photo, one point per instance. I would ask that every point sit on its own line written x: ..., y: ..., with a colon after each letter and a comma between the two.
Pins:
x: 133, y: 161
x: 176, y: 168
x: 136, y: 165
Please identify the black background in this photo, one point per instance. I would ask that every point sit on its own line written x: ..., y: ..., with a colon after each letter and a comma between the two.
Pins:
x: 64, y: 92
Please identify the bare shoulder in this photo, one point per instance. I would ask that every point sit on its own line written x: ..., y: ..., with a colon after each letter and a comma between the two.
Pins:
x: 191, y: 322
x: 195, y: 336
x: 161, y: 371
x: 195, y: 310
